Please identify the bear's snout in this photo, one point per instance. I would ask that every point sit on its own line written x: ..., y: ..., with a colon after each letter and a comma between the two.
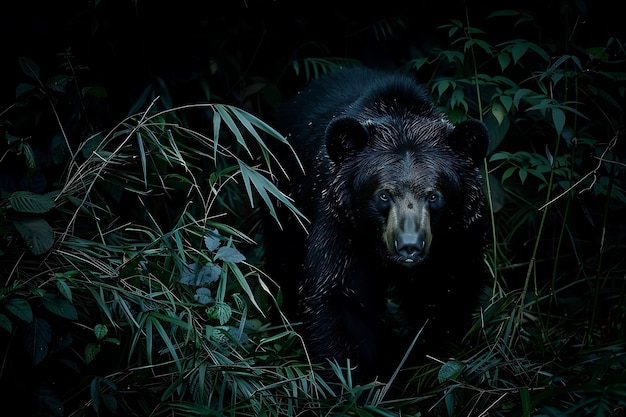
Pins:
x: 410, y: 245
x: 407, y: 234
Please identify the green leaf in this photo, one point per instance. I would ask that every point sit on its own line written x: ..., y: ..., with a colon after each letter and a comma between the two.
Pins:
x: 100, y: 330
x: 59, y: 306
x: 229, y: 254
x: 498, y: 112
x: 262, y: 186
x: 37, y: 233
x: 58, y: 83
x: 198, y: 275
x: 212, y: 240
x: 526, y: 403
x: 19, y: 308
x: 38, y: 339
x: 558, y: 118
x: 53, y: 402
x: 94, y: 91
x: 203, y: 296
x: 23, y: 88
x: 504, y: 59
x: 29, y: 155
x: 450, y: 370
x: 518, y: 51
x: 29, y: 67
x: 91, y: 351
x: 5, y: 323
x: 222, y: 312
x: 64, y: 289
x: 28, y: 202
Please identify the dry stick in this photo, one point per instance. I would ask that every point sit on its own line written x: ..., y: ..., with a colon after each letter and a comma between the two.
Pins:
x: 584, y: 177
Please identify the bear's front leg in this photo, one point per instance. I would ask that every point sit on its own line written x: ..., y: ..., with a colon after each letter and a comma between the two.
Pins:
x: 338, y: 309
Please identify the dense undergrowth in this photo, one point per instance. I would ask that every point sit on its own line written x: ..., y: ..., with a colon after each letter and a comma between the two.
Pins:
x: 132, y: 259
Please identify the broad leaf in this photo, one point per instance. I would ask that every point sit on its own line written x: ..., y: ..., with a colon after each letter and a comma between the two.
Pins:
x: 19, y: 308
x: 229, y: 254
x: 60, y: 306
x: 38, y: 338
x: 37, y: 233
x: 27, y: 202
x: 450, y: 370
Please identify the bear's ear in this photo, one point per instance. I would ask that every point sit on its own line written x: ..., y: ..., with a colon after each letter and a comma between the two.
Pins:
x: 470, y: 139
x: 344, y: 137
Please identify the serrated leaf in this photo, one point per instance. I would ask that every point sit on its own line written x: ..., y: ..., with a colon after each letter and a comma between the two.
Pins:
x: 37, y: 234
x: 100, y: 330
x: 26, y: 150
x: 212, y: 240
x: 229, y: 254
x: 91, y: 351
x: 19, y: 308
x: 222, y: 312
x: 198, y: 275
x: 450, y: 370
x: 59, y: 306
x: 203, y: 296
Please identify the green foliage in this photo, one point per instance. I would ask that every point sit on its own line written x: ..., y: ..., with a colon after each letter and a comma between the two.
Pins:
x: 553, y: 175
x: 145, y: 277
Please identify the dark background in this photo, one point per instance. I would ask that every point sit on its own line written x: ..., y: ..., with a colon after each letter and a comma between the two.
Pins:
x: 126, y: 44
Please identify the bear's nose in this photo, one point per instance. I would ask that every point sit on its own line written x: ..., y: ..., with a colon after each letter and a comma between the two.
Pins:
x: 410, y: 245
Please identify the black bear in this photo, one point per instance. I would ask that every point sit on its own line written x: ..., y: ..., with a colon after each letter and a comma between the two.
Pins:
x: 394, y: 196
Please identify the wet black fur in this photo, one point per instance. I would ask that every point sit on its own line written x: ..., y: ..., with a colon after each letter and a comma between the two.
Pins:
x: 356, y: 132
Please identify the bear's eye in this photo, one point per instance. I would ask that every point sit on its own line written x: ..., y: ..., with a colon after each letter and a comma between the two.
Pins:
x: 384, y: 197
x: 435, y: 200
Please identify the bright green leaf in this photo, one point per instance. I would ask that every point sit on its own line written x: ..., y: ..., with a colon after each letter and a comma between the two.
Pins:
x: 498, y: 112
x: 100, y: 330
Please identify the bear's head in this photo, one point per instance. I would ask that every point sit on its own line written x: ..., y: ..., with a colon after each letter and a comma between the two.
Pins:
x: 404, y: 184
